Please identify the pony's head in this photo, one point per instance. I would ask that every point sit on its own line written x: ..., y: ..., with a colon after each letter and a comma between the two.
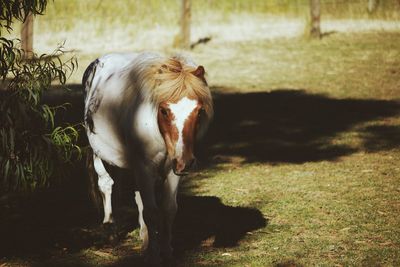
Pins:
x: 184, y: 107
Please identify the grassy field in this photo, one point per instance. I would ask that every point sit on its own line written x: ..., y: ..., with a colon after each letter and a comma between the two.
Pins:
x: 300, y: 166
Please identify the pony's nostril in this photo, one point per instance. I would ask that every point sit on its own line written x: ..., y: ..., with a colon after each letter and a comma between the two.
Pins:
x: 178, y: 166
x: 174, y: 163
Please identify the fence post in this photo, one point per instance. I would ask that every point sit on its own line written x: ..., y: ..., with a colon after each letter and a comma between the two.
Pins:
x: 185, y: 24
x: 372, y: 5
x: 315, y: 10
x: 27, y: 37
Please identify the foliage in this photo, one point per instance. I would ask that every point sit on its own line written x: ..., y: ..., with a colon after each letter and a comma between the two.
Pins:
x: 32, y: 148
x: 17, y: 9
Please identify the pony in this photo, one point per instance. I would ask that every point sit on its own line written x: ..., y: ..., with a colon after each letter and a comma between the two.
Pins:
x: 144, y: 112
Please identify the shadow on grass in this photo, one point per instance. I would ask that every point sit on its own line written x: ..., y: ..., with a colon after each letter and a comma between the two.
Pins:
x: 283, y: 126
x: 293, y: 126
x: 50, y: 227
x: 200, y: 218
x: 381, y: 137
x: 205, y: 221
x: 34, y: 223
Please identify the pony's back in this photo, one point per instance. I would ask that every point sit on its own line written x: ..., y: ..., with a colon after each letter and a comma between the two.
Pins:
x: 104, y: 83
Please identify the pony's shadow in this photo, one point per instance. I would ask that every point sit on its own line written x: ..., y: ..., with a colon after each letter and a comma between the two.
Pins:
x: 203, y: 218
x: 204, y: 221
x: 200, y: 219
x: 63, y: 221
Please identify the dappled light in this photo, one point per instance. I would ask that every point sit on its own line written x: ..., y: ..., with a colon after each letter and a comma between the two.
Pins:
x: 287, y: 125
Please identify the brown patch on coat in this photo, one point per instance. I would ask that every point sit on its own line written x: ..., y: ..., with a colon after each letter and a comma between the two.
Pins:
x: 170, y: 134
x: 167, y: 130
x: 189, y: 132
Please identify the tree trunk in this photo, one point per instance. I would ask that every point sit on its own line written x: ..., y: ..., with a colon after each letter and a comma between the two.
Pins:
x: 185, y: 24
x: 372, y: 5
x: 27, y: 37
x: 315, y: 11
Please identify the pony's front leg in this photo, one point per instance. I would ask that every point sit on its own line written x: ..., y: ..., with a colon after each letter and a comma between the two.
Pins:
x: 151, y: 216
x: 105, y: 183
x: 169, y: 208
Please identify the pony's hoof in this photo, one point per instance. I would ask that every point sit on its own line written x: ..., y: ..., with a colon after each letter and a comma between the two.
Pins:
x: 110, y: 232
x: 108, y: 226
x: 152, y: 258
x: 108, y: 219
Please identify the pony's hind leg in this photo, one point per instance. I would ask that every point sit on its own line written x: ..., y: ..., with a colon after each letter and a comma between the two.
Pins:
x: 105, y: 183
x: 143, y: 228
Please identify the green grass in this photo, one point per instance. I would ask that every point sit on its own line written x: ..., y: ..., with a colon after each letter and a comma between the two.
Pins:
x: 323, y: 213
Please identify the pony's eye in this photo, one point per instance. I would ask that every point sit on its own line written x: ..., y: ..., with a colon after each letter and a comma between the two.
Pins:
x: 164, y: 112
x: 201, y: 112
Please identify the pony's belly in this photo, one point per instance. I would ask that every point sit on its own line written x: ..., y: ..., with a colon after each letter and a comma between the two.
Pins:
x: 114, y: 155
x: 108, y: 148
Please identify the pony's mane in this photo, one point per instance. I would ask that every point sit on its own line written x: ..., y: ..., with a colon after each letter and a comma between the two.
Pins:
x: 170, y: 79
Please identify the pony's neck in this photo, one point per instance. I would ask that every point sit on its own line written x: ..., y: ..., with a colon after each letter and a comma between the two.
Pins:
x: 145, y: 128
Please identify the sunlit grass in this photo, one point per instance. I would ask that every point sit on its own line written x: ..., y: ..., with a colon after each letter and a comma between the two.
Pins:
x: 319, y: 213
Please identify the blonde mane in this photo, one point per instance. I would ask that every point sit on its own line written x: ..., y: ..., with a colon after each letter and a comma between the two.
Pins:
x: 170, y: 79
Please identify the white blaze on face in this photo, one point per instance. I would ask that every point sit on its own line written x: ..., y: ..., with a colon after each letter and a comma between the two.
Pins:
x: 181, y: 111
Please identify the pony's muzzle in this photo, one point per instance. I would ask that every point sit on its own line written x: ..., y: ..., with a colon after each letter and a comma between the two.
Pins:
x: 181, y: 168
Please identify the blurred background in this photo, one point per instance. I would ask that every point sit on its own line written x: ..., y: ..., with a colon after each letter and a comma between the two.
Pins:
x: 230, y: 29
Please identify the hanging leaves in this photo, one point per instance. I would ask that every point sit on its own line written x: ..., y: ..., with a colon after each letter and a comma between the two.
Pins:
x: 19, y: 9
x: 32, y: 148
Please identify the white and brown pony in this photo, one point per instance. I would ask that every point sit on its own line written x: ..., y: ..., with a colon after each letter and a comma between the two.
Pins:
x: 144, y: 112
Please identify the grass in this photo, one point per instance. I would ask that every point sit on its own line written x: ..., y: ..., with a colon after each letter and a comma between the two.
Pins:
x: 324, y: 213
x: 300, y: 167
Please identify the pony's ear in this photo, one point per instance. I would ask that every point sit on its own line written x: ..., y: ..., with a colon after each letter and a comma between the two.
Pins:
x: 199, y: 72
